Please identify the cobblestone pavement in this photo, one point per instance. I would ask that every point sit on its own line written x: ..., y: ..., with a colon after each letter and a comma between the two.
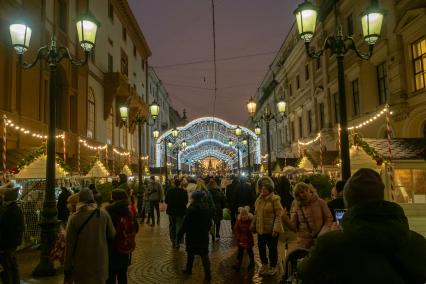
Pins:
x: 154, y: 261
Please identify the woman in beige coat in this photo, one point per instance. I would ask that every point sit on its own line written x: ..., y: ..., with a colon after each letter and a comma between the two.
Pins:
x: 86, y: 254
x: 267, y: 224
x: 309, y: 215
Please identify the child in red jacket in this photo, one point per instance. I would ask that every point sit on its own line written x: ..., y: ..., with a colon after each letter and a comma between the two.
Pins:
x: 244, y: 237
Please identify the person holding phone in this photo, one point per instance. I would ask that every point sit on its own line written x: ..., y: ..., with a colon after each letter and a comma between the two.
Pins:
x: 375, y: 244
x: 337, y: 203
x: 309, y: 215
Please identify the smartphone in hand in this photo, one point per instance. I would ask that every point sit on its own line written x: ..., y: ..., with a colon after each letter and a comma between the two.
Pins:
x: 339, y: 213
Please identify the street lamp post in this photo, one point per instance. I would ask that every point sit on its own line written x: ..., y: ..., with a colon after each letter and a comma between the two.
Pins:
x: 87, y: 27
x: 306, y: 16
x: 267, y: 116
x: 246, y: 142
x: 154, y: 110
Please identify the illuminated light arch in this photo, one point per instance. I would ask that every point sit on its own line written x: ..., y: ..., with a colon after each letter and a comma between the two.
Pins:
x: 207, y: 135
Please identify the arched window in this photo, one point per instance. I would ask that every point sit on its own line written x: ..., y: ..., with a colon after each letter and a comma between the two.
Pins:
x: 91, y: 114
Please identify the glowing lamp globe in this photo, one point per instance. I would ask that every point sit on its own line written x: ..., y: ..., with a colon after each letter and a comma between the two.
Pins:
x: 87, y: 27
x: 306, y: 18
x: 371, y: 21
x: 20, y: 35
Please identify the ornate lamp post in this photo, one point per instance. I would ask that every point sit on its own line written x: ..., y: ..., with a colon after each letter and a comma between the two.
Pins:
x: 371, y: 20
x: 267, y: 116
x: 246, y: 143
x: 20, y: 33
x: 154, y: 111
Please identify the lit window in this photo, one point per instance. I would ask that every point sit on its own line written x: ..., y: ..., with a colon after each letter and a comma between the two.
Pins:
x: 419, y: 62
x: 91, y: 114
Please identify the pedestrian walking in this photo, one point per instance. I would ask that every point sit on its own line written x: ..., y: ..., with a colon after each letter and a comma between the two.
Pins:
x: 309, y: 215
x: 176, y: 200
x: 267, y: 224
x: 219, y: 201
x: 126, y: 227
x: 284, y: 191
x: 244, y: 237
x: 88, y: 231
x: 231, y: 192
x: 196, y: 226
x: 155, y: 197
x: 11, y: 232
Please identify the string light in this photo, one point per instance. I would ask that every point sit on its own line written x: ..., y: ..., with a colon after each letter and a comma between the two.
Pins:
x: 310, y: 141
x: 371, y: 119
x: 25, y: 131
x: 145, y: 158
x: 121, y: 153
x: 84, y: 142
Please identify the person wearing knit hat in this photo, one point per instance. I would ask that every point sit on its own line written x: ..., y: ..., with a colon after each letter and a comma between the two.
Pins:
x: 11, y: 232
x: 364, y: 185
x: 374, y: 245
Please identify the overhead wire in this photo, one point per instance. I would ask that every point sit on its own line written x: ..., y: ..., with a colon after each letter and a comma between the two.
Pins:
x: 214, y: 63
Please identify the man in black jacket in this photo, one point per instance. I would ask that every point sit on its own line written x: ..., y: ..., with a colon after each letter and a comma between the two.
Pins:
x: 11, y: 231
x: 176, y: 200
x: 231, y: 198
x: 375, y: 244
x: 337, y: 203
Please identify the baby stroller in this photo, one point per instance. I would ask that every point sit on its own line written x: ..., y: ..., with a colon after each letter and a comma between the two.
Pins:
x: 290, y: 276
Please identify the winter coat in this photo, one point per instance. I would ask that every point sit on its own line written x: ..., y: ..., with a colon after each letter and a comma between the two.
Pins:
x: 243, y: 234
x: 196, y: 226
x: 155, y: 191
x: 374, y: 246
x: 11, y: 226
x: 231, y: 194
x: 63, y: 212
x: 176, y: 200
x: 316, y: 214
x: 116, y: 211
x: 245, y: 195
x: 90, y: 262
x: 219, y: 200
x: 267, y: 214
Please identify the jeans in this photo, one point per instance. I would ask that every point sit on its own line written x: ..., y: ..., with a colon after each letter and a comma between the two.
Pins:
x: 205, y: 260
x: 117, y: 276
x: 10, y: 274
x: 175, y: 223
x: 272, y: 243
x: 154, y: 204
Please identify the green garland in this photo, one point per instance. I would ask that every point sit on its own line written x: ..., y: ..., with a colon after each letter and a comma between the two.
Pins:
x: 35, y: 155
x: 87, y: 168
x: 369, y: 150
x: 31, y: 158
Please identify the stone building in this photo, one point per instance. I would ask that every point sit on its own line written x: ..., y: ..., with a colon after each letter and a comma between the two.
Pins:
x: 89, y: 97
x: 394, y: 75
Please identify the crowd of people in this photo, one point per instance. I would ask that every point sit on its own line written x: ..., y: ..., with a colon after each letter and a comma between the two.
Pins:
x: 372, y: 243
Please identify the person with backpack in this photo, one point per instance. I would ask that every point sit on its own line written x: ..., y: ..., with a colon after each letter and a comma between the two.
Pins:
x: 86, y: 252
x: 126, y: 227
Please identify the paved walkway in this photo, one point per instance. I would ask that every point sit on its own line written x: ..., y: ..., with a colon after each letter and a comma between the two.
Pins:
x: 154, y: 261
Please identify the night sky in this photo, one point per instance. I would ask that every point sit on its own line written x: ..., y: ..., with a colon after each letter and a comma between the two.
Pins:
x: 248, y: 35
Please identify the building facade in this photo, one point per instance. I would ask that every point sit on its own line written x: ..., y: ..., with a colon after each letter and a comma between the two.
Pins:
x: 394, y: 75
x: 89, y: 97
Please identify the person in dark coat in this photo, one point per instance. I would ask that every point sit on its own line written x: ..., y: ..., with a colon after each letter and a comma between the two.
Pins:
x: 375, y: 244
x: 219, y: 200
x: 284, y: 192
x: 11, y: 232
x: 231, y: 192
x: 245, y: 195
x: 337, y: 203
x: 196, y: 226
x: 63, y: 212
x: 176, y: 200
x: 118, y: 261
